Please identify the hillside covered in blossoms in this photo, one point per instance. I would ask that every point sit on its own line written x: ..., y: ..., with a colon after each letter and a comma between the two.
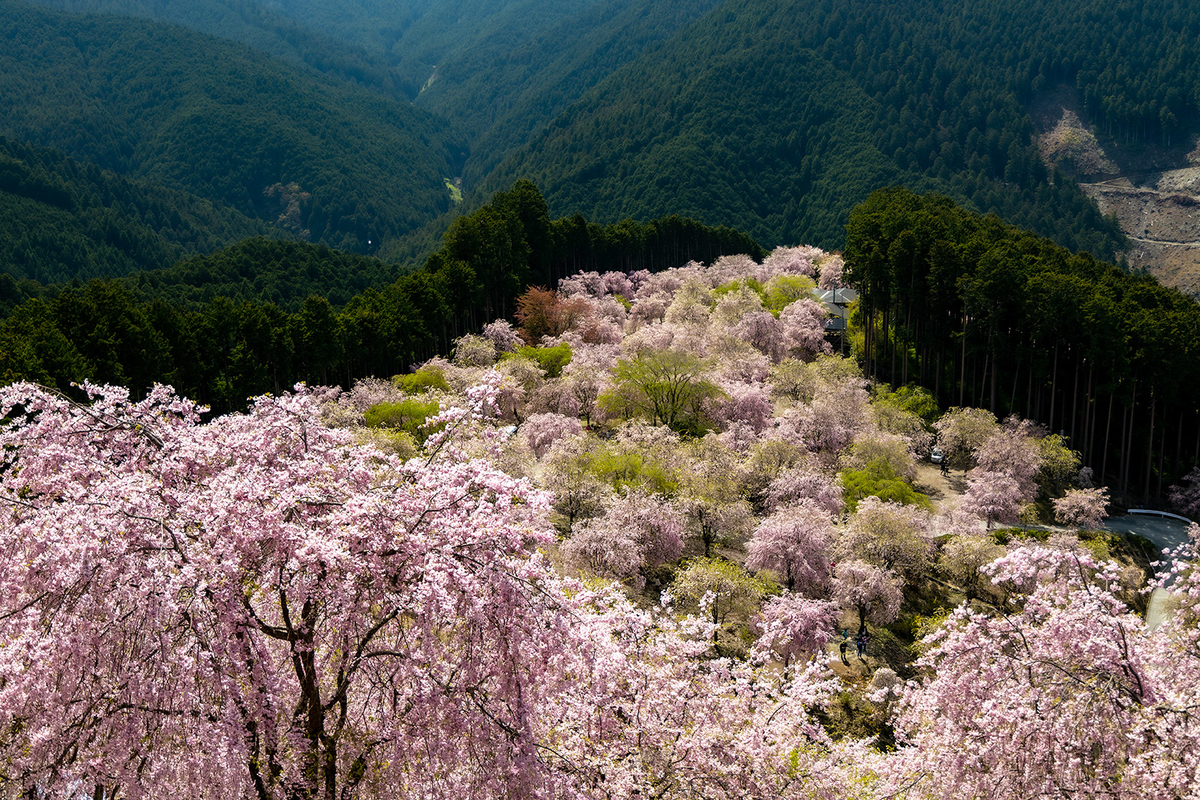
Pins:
x: 614, y: 551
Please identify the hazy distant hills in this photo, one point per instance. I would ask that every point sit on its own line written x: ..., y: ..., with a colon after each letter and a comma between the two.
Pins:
x: 262, y: 27
x: 349, y: 167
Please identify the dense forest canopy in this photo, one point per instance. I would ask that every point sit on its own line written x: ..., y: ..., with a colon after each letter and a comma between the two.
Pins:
x: 63, y: 219
x: 263, y: 314
x: 930, y: 95
x: 772, y: 117
x: 263, y: 27
x: 334, y: 163
x: 987, y: 314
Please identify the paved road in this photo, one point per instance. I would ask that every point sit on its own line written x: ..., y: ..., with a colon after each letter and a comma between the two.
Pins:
x: 1166, y: 534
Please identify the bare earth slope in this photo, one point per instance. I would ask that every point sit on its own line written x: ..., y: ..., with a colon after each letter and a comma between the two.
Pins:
x: 1154, y: 192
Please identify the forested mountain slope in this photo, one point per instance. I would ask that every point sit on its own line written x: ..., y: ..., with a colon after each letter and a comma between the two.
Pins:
x: 722, y: 118
x: 500, y: 70
x: 62, y: 219
x: 336, y: 164
x: 512, y: 79
x: 263, y: 28
x: 420, y: 34
x: 988, y: 314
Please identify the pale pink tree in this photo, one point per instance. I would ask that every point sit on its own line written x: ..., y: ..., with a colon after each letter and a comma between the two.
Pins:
x: 874, y: 593
x: 893, y: 536
x: 587, y: 376
x: 638, y: 533
x: 599, y: 548
x: 827, y: 426
x: 731, y: 268
x: 649, y: 309
x: 618, y: 283
x: 804, y: 482
x: 474, y: 351
x: 637, y: 279
x: 254, y: 607
x: 1082, y: 508
x: 795, y: 543
x: 1185, y: 496
x: 962, y: 431
x: 804, y: 329
x: 831, y: 268
x: 739, y: 437
x: 792, y: 260
x: 1012, y: 451
x: 791, y: 625
x: 994, y: 497
x: 582, y: 284
x: 747, y: 403
x: 1069, y: 697
x: 541, y: 431
x: 762, y: 330
x: 502, y: 335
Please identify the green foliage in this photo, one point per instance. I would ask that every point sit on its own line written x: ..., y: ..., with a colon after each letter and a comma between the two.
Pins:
x: 264, y: 28
x: 626, y: 470
x: 266, y: 270
x: 407, y: 415
x: 880, y: 480
x: 423, y: 380
x: 549, y: 360
x: 733, y: 286
x: 1059, y: 465
x: 506, y: 70
x: 666, y: 387
x: 783, y: 290
x: 733, y: 593
x: 62, y: 219
x: 911, y: 398
x: 1010, y: 321
x: 778, y: 117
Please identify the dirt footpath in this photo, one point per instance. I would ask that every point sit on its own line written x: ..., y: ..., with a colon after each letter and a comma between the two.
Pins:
x: 942, y: 489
